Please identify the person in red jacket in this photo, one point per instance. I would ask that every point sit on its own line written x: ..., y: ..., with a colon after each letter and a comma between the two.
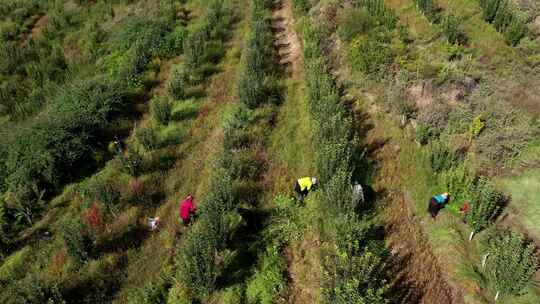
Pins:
x: 187, y: 209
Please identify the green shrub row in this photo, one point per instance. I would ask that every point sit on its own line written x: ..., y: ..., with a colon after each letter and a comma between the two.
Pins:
x: 352, y: 272
x: 253, y: 86
x: 201, y: 258
x: 368, y: 30
x: 203, y: 48
x: 506, y: 18
x: 449, y: 24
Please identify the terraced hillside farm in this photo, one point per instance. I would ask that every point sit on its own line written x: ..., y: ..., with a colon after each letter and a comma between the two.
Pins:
x: 270, y: 151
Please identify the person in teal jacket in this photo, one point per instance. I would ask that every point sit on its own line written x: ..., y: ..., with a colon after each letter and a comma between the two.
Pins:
x: 437, y: 202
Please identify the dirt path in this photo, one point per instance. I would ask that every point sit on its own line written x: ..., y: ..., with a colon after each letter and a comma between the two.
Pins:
x: 415, y: 274
x: 285, y: 38
x: 289, y: 161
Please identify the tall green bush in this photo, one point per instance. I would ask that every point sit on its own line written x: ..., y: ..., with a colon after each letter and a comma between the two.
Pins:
x: 511, y: 263
x: 485, y: 205
x: 268, y: 281
x: 252, y: 88
x: 161, y: 108
x: 350, y: 273
x: 451, y: 30
x: 178, y: 83
x: 506, y: 19
x: 356, y: 279
x: 429, y: 8
x: 198, y: 269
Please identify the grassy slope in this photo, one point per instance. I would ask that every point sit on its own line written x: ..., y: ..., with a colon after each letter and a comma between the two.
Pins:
x: 144, y: 264
x: 525, y: 199
x: 191, y: 173
x: 448, y: 235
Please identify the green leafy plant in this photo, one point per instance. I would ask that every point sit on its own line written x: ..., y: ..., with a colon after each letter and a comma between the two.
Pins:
x: 132, y: 162
x: 506, y: 18
x: 485, y: 205
x: 178, y: 84
x: 267, y: 282
x: 429, y: 9
x: 451, y: 30
x: 356, y: 279
x: 301, y: 7
x: 252, y: 88
x: 423, y: 134
x: 477, y: 126
x: 151, y: 293
x: 106, y: 193
x: 370, y: 54
x: 441, y: 156
x: 197, y: 261
x: 147, y: 137
x: 161, y: 109
x: 511, y: 263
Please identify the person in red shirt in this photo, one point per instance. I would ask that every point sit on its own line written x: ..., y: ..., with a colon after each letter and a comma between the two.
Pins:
x: 187, y: 209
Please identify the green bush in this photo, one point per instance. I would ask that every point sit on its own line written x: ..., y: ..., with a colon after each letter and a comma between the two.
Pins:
x: 349, y: 275
x: 147, y: 137
x: 217, y: 207
x: 423, y: 134
x: 197, y: 263
x: 378, y: 10
x: 75, y: 236
x: 429, y: 8
x: 105, y: 192
x: 356, y: 279
x: 441, y: 156
x: 161, y: 108
x: 459, y: 182
x: 151, y: 293
x: 451, y: 30
x: 132, y: 162
x: 25, y: 203
x: 187, y: 109
x: 287, y: 225
x: 33, y: 290
x: 14, y: 266
x: 233, y: 295
x: 511, y: 263
x: 252, y: 89
x: 178, y: 295
x: 506, y: 18
x: 236, y: 134
x: 515, y: 30
x: 175, y: 40
x: 178, y: 83
x: 269, y: 279
x: 45, y: 152
x: 485, y: 205
x: 370, y: 55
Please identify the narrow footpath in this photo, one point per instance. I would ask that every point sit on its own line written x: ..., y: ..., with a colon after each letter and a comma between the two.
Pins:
x: 291, y: 153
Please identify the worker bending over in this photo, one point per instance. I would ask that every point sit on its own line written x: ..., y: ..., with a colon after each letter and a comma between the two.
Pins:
x: 437, y: 202
x: 303, y: 185
x: 187, y: 210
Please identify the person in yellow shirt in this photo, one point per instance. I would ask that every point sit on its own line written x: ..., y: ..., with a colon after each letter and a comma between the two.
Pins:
x: 303, y: 185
